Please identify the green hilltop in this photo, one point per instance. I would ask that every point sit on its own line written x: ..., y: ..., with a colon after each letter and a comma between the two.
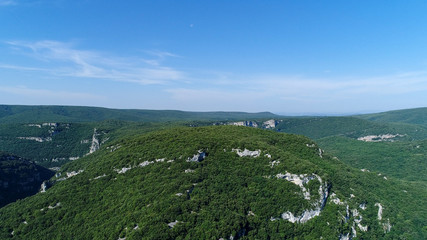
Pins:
x: 127, y: 171
x: 411, y: 116
x: 212, y: 183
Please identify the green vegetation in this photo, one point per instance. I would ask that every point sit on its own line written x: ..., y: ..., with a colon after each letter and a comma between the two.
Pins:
x: 108, y: 195
x: 403, y: 160
x: 411, y: 116
x: 131, y: 188
x: 70, y: 114
x: 352, y: 127
x: 54, y: 144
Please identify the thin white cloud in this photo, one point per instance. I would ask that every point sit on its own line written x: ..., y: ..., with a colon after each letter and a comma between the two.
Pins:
x: 161, y: 54
x: 21, y: 68
x: 285, y: 86
x: 68, y: 61
x: 278, y: 93
x: 48, y: 94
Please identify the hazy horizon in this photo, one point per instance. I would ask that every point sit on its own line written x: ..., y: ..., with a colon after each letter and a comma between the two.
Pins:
x: 283, y: 114
x: 285, y: 57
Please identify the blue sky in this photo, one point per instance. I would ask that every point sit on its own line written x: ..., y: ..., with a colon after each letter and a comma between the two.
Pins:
x: 289, y: 57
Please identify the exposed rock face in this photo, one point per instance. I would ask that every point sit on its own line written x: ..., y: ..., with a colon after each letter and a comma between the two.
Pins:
x: 345, y: 236
x: 123, y: 170
x: 386, y: 225
x: 274, y: 163
x: 172, y: 224
x: 145, y: 163
x: 43, y: 187
x: 245, y: 123
x: 200, y: 156
x: 351, y: 216
x: 300, y: 180
x: 247, y: 153
x: 69, y: 174
x: 336, y: 200
x: 380, y: 138
x: 357, y: 219
x: 380, y: 210
x: 114, y: 148
x: 52, y: 130
x: 98, y: 177
x: 269, y: 124
x: 95, y: 142
x: 37, y: 139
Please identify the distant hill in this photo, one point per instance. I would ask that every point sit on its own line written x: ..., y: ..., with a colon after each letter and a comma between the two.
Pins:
x: 353, y: 127
x: 216, y: 182
x: 395, y: 149
x: 52, y: 144
x: 70, y: 114
x: 412, y: 116
x: 54, y: 135
x: 19, y: 178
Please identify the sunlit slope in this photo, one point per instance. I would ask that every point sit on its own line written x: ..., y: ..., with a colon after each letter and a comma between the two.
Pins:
x: 216, y: 182
x: 352, y: 127
x: 411, y: 116
x: 404, y: 160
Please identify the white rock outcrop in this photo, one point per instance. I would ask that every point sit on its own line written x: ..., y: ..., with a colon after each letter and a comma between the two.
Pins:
x: 69, y: 174
x: 380, y: 210
x: 95, y: 142
x: 43, y: 187
x: 58, y: 204
x: 345, y: 236
x: 247, y: 153
x: 172, y: 224
x: 198, y: 157
x: 73, y: 173
x: 269, y: 124
x: 300, y: 180
x: 98, y: 177
x: 245, y: 123
x: 145, y: 163
x: 114, y: 147
x: 123, y: 170
x: 37, y: 139
x: 386, y: 226
x: 274, y: 163
x: 336, y: 200
x: 379, y: 138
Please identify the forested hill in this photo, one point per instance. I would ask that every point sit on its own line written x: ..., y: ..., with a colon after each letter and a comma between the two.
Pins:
x: 70, y: 114
x: 216, y: 182
x: 412, y: 116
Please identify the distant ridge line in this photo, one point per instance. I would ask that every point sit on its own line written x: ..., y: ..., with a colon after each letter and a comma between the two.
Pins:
x: 57, y: 113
